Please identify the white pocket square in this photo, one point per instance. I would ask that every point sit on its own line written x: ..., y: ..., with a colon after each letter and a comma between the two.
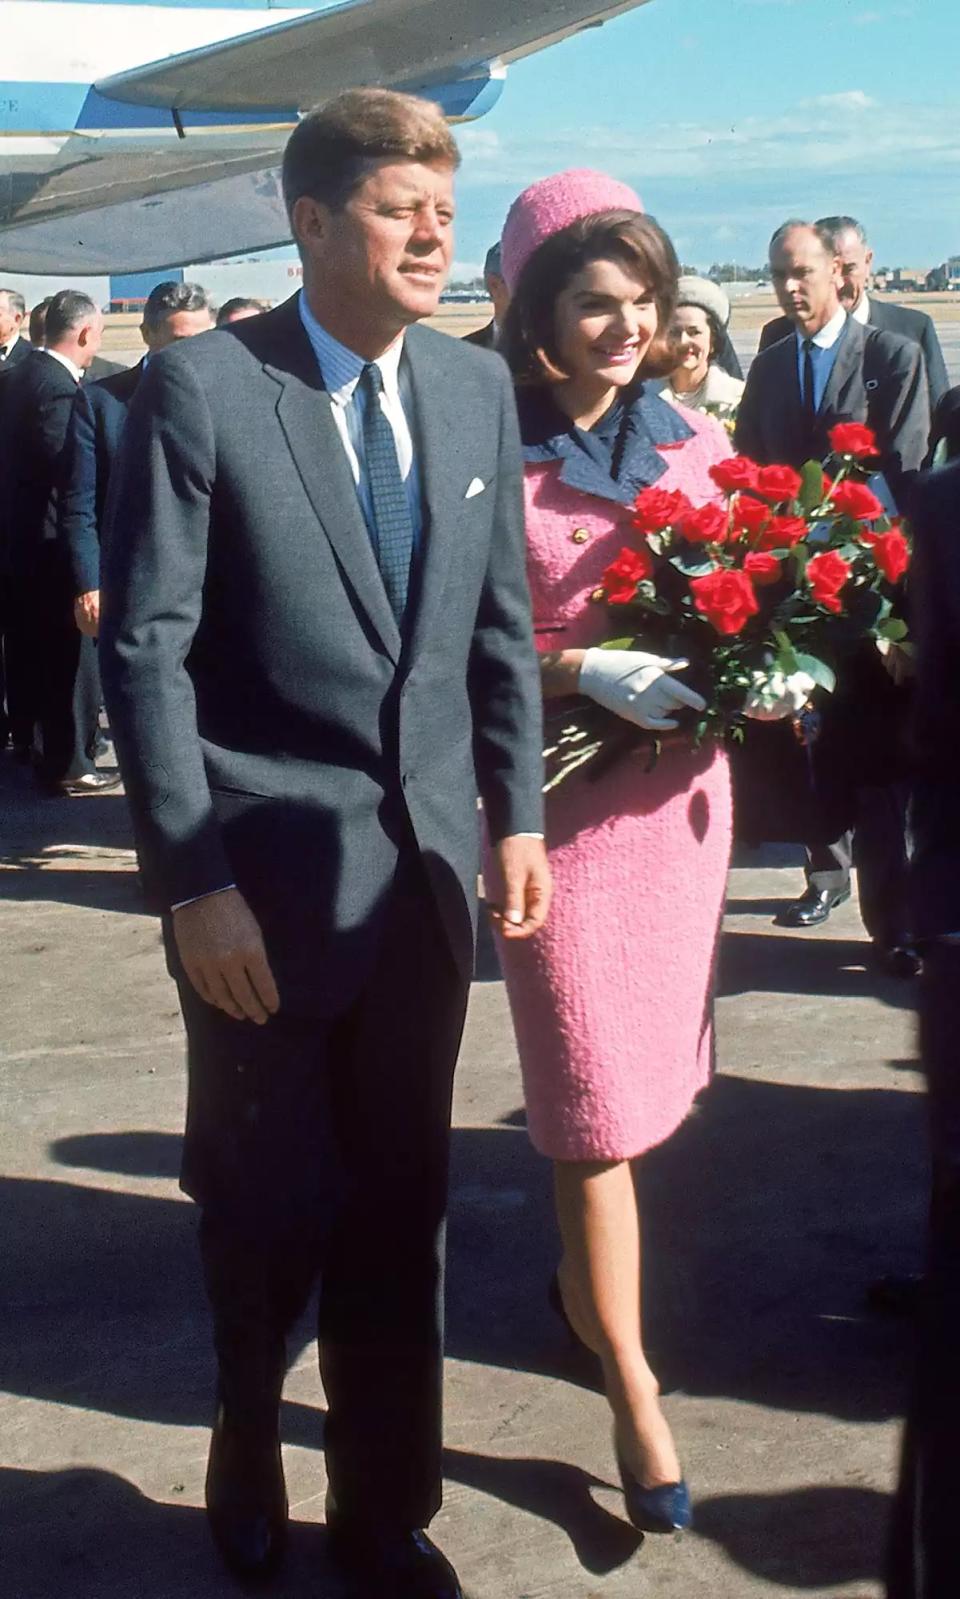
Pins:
x: 476, y: 487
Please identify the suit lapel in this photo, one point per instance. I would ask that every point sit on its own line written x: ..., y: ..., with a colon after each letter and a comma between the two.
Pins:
x: 437, y: 399
x: 305, y: 414
x: 785, y: 401
x: 848, y: 363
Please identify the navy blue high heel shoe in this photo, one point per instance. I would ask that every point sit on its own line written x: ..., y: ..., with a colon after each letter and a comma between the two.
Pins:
x: 663, y: 1509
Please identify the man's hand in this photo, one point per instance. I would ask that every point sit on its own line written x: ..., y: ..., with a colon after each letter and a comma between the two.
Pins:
x: 519, y: 897
x: 222, y: 952
x: 86, y: 612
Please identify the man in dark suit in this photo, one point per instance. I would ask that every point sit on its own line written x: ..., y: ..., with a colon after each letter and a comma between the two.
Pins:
x: 855, y: 256
x: 317, y: 644
x: 172, y: 311
x: 37, y: 404
x: 832, y: 369
x: 486, y: 337
x: 925, y: 1554
x: 16, y: 722
x: 13, y: 346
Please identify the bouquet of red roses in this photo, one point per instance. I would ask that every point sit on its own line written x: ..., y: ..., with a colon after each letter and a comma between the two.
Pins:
x: 764, y: 596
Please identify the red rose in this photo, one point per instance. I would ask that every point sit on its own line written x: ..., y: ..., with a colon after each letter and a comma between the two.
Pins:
x: 853, y: 438
x: 622, y: 576
x: 706, y: 525
x: 762, y: 569
x: 856, y: 500
x: 891, y: 553
x: 725, y: 598
x: 750, y: 515
x: 737, y: 473
x: 782, y: 533
x: 779, y: 482
x: 655, y: 509
x: 827, y: 574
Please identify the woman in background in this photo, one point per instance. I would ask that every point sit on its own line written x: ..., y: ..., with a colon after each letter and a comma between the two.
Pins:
x: 699, y: 332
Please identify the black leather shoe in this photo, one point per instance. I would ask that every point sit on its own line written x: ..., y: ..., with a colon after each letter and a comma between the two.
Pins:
x: 246, y: 1500
x: 898, y: 960
x: 89, y: 783
x: 813, y: 907
x: 398, y: 1565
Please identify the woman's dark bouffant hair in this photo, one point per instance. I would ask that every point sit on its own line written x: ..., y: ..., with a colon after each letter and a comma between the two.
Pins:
x: 528, y: 340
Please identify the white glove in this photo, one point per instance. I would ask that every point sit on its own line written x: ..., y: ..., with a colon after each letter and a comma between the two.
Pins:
x: 774, y: 695
x: 637, y: 687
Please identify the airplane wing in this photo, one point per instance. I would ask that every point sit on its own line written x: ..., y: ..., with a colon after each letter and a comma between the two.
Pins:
x: 391, y: 43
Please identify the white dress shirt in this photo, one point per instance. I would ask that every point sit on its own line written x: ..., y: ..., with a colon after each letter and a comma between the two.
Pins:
x: 340, y: 368
x: 862, y: 312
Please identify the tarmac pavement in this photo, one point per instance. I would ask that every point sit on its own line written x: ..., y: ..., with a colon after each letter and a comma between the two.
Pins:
x: 799, y: 1178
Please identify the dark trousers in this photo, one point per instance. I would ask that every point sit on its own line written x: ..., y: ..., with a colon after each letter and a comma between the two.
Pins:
x: 17, y: 665
x: 924, y: 1557
x: 68, y: 678
x: 879, y: 849
x: 319, y: 1148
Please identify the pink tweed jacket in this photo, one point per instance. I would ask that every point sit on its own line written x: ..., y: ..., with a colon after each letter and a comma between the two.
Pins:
x: 572, y: 537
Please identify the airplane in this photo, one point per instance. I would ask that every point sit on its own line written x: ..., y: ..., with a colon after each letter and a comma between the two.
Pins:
x: 117, y: 156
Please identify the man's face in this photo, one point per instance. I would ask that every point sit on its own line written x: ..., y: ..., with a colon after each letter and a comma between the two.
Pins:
x: 389, y: 250
x: 856, y: 265
x: 10, y: 320
x: 806, y: 278
x: 178, y: 325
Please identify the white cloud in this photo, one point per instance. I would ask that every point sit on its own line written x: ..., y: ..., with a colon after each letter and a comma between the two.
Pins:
x: 845, y: 135
x: 848, y: 100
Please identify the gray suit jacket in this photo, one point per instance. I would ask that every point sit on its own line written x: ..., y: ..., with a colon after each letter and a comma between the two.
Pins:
x: 900, y: 319
x: 877, y: 378
x: 273, y: 728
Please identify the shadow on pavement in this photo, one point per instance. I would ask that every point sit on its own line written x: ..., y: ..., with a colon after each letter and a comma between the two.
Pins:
x: 843, y: 1532
x: 765, y: 1217
x: 758, y: 963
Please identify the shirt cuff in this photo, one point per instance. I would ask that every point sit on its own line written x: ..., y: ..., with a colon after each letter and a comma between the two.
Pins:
x: 530, y: 835
x: 198, y: 897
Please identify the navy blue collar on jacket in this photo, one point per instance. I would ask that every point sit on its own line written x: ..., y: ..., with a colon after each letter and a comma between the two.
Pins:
x: 613, y: 460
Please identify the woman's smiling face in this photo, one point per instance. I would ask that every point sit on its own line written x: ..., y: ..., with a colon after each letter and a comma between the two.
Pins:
x: 605, y: 321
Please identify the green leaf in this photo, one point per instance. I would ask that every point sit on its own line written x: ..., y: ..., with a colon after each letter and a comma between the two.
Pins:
x: 692, y: 565
x: 811, y: 492
x: 894, y: 628
x: 618, y: 643
x: 823, y: 675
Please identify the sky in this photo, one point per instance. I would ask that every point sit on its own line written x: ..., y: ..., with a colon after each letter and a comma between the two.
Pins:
x: 729, y: 116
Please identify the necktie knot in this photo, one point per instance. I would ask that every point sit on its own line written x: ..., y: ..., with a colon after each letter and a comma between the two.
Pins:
x: 372, y: 379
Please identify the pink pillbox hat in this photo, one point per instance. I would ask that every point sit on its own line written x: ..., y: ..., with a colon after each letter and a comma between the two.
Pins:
x: 554, y: 203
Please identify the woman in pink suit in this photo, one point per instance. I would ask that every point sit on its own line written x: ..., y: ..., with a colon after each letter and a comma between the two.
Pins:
x: 612, y: 1001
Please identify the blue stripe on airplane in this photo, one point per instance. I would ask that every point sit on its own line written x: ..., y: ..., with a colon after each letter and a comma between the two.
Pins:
x: 58, y: 107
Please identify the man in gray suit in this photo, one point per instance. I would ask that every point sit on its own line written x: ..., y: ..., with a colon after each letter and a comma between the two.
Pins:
x: 852, y: 250
x: 317, y: 646
x: 830, y: 368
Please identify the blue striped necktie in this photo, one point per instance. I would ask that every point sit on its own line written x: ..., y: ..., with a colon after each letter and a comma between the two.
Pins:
x: 393, y: 524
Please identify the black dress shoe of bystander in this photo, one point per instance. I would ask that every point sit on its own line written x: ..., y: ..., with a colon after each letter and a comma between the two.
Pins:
x: 812, y: 908
x: 246, y: 1499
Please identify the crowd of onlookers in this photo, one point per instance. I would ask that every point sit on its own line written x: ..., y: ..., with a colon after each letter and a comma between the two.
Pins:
x: 61, y: 419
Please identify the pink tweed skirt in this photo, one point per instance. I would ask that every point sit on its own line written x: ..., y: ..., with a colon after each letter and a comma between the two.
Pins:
x: 613, y: 1001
